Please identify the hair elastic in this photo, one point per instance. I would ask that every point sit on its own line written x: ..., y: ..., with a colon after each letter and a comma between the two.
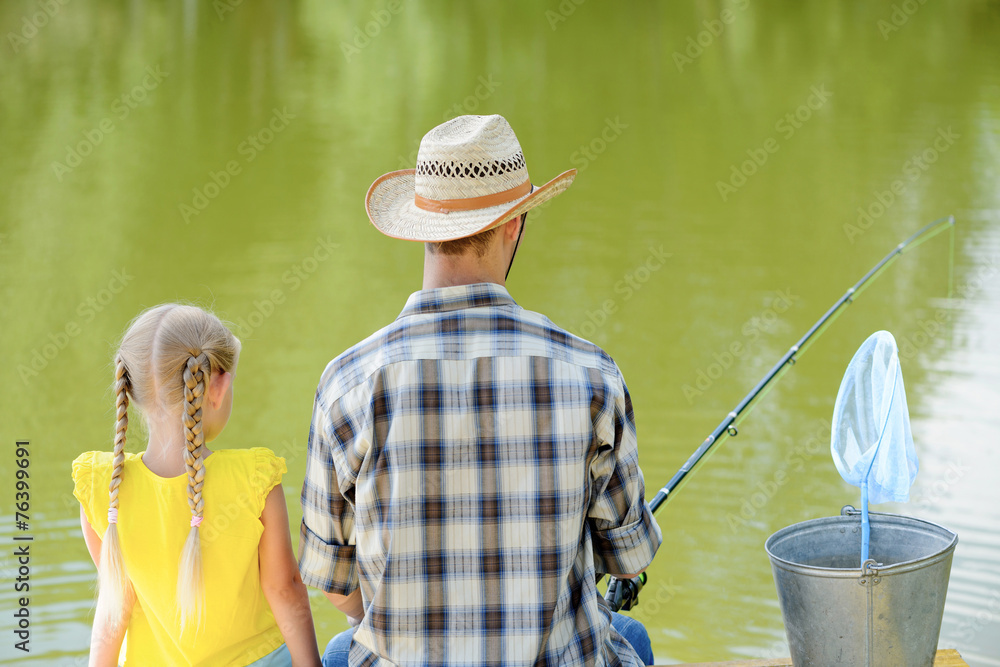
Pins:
x: 112, y: 515
x: 196, y: 521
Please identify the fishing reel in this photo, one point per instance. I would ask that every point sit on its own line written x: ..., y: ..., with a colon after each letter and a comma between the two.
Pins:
x: 623, y: 594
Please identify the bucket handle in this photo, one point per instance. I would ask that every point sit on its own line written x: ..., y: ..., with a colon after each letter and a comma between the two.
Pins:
x: 869, y: 570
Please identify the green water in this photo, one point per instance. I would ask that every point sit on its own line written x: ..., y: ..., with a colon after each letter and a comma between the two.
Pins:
x: 181, y: 151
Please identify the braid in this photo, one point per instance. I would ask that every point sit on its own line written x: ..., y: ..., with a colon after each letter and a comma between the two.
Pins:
x: 114, y: 586
x: 189, y: 582
x: 121, y: 426
x: 194, y: 394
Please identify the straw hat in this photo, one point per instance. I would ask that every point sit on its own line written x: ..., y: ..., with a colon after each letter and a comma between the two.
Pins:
x: 470, y: 177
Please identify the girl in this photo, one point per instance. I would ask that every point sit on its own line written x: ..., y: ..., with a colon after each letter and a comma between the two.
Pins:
x: 196, y: 559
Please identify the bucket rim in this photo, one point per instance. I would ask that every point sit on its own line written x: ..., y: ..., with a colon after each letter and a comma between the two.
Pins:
x: 884, y: 570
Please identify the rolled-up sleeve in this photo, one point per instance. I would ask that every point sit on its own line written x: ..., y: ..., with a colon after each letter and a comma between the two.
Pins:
x: 327, y: 558
x: 625, y: 534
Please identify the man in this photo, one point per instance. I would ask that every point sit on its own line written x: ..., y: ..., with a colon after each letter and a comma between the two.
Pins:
x: 472, y: 466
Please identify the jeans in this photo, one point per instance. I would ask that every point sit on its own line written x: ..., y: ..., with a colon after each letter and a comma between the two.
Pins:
x: 337, y: 650
x: 635, y: 634
x: 630, y: 629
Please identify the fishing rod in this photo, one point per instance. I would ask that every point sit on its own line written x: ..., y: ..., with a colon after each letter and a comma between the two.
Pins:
x: 624, y: 593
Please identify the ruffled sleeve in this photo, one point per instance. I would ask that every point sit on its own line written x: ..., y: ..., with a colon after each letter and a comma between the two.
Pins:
x: 83, y: 484
x: 267, y: 474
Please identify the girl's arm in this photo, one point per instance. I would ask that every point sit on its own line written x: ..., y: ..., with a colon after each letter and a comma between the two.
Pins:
x: 105, y: 642
x: 282, y: 584
x: 91, y: 537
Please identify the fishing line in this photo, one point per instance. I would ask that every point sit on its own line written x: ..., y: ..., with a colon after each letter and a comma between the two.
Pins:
x: 743, y: 409
x: 623, y: 593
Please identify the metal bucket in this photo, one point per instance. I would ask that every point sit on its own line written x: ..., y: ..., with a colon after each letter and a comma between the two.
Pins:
x: 838, y: 613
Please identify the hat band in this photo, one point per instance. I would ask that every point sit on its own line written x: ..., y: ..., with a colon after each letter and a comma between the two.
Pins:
x: 471, y: 203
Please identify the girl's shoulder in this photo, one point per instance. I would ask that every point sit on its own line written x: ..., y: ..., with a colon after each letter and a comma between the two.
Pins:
x: 256, y: 470
x: 91, y: 476
x: 88, y: 465
x: 255, y: 458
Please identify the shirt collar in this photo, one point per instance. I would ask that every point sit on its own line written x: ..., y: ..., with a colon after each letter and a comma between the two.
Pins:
x: 457, y: 297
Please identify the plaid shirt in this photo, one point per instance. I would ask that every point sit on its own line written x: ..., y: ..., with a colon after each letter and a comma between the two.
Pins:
x: 472, y: 467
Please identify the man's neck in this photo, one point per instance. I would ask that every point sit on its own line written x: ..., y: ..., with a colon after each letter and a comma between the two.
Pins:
x: 449, y: 271
x: 452, y: 281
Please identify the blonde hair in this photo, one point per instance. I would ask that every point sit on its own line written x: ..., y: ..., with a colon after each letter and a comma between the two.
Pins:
x: 164, y: 363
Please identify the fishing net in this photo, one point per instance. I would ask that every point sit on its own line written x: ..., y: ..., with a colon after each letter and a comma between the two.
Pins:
x: 871, y: 441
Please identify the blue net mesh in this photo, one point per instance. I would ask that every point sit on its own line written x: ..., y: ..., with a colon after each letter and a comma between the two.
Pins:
x: 871, y: 444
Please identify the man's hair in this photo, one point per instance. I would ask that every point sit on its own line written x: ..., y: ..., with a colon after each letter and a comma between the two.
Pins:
x: 478, y: 243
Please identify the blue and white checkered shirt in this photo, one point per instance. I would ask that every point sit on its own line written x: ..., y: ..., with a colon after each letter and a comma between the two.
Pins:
x: 472, y: 466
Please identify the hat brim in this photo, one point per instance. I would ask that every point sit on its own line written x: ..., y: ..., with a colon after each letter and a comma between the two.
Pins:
x: 391, y: 208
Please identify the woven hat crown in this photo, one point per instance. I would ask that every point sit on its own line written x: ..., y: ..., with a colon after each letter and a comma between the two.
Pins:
x: 470, y: 176
x: 469, y: 156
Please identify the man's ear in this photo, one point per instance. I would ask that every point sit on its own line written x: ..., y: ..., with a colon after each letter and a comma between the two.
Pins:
x: 511, y: 228
x: 218, y: 385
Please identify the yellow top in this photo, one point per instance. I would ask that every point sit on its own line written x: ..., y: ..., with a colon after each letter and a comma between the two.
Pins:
x: 153, y: 523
